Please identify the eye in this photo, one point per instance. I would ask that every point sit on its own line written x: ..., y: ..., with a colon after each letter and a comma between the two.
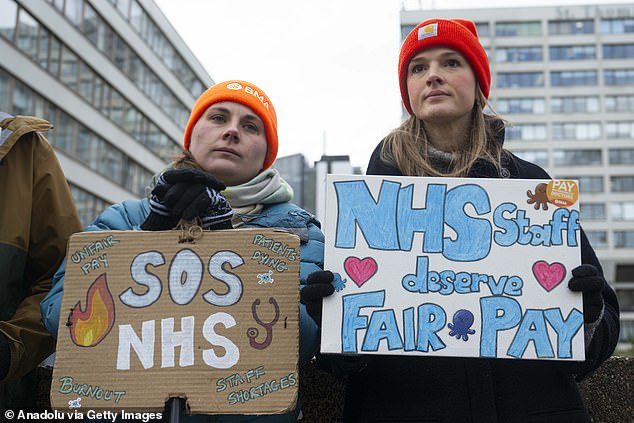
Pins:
x: 418, y: 68
x: 252, y: 127
x: 218, y: 118
x: 453, y: 63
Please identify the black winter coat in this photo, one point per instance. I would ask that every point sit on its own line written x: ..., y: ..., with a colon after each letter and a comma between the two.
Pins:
x: 447, y: 389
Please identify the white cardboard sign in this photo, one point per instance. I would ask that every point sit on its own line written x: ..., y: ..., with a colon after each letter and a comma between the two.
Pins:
x: 452, y: 267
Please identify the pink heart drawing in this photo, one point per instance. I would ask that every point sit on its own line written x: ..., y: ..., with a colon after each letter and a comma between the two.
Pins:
x: 360, y: 270
x: 549, y: 275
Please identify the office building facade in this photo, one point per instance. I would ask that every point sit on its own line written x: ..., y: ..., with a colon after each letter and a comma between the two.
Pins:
x: 564, y: 79
x: 113, y: 77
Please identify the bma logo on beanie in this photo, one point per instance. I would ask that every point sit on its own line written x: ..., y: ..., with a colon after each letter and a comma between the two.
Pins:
x: 427, y: 31
x: 234, y: 86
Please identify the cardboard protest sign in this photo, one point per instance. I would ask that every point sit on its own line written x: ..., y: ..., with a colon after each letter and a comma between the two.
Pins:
x: 146, y: 317
x: 452, y: 267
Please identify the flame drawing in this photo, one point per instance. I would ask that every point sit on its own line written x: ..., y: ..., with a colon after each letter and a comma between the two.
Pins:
x: 90, y: 326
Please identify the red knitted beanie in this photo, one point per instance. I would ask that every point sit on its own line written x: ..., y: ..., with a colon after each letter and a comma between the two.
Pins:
x: 246, y: 94
x: 456, y: 34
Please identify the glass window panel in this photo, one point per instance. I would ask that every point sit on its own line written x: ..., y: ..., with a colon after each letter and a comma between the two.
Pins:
x: 518, y: 29
x: 618, y: 51
x: 123, y: 6
x: 598, y: 239
x: 73, y: 11
x: 516, y: 80
x: 576, y: 131
x: 521, y: 105
x: 43, y: 47
x: 623, y: 239
x: 120, y: 54
x: 622, y: 211
x: 617, y: 26
x: 592, y: 211
x: 136, y: 16
x: 622, y: 183
x: 518, y: 54
x: 618, y: 130
x: 588, y: 184
x: 90, y: 24
x: 27, y: 34
x: 8, y: 16
x: 572, y: 52
x: 577, y: 157
x: 59, y: 5
x: 86, y: 82
x: 65, y: 131
x: 526, y: 132
x: 482, y: 28
x: 538, y: 157
x: 572, y: 78
x: 85, y: 149
x: 619, y: 103
x: 54, y: 64
x: 589, y: 104
x: 618, y: 76
x: 5, y: 91
x: 117, y: 105
x: 405, y: 30
x: 69, y: 68
x: 22, y: 100
x: 621, y: 156
x: 567, y: 27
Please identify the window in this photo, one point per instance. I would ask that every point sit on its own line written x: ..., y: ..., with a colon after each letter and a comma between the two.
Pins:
x: 576, y: 131
x: 598, y: 239
x: 622, y: 183
x: 570, y: 27
x: 69, y: 68
x: 621, y: 156
x: 623, y: 239
x: 618, y: 76
x: 22, y: 100
x: 8, y: 15
x: 592, y: 211
x: 521, y: 105
x: 622, y: 129
x: 526, y: 132
x: 518, y: 54
x: 88, y: 205
x: 590, y: 184
x: 577, y: 157
x: 525, y: 79
x: 571, y: 78
x: 586, y: 104
x: 405, y: 30
x: 518, y: 29
x: 623, y: 210
x: 483, y: 30
x: 619, y: 103
x: 572, y: 53
x: 617, y: 26
x: 618, y: 51
x: 73, y: 11
x: 538, y: 157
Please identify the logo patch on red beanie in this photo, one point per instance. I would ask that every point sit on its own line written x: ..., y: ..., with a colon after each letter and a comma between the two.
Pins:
x: 427, y: 31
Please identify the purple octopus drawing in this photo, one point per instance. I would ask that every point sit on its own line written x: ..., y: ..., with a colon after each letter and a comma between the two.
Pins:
x: 461, y: 326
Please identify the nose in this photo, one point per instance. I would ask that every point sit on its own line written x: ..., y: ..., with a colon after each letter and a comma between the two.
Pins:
x: 231, y: 132
x: 434, y: 74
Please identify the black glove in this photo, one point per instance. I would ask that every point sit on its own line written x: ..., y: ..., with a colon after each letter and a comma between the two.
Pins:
x: 319, y: 285
x: 186, y: 194
x: 5, y: 356
x: 586, y: 279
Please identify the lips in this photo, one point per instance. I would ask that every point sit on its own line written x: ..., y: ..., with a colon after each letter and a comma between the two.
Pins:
x: 436, y: 94
x: 227, y: 151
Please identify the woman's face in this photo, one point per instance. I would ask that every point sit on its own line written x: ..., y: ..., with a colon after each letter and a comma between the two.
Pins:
x: 229, y: 141
x: 441, y: 86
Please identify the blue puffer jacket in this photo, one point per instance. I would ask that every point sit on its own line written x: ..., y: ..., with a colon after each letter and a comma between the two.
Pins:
x: 130, y: 214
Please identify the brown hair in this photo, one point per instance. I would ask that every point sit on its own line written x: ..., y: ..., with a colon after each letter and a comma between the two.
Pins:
x: 406, y: 146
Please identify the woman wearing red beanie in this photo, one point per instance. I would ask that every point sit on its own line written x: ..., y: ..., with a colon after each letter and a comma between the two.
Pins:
x: 444, y: 81
x: 222, y: 179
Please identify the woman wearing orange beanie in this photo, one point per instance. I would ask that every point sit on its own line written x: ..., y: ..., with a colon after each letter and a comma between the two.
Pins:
x: 444, y: 81
x: 224, y: 179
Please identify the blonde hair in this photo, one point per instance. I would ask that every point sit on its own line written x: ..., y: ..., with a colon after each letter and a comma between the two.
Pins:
x: 406, y: 147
